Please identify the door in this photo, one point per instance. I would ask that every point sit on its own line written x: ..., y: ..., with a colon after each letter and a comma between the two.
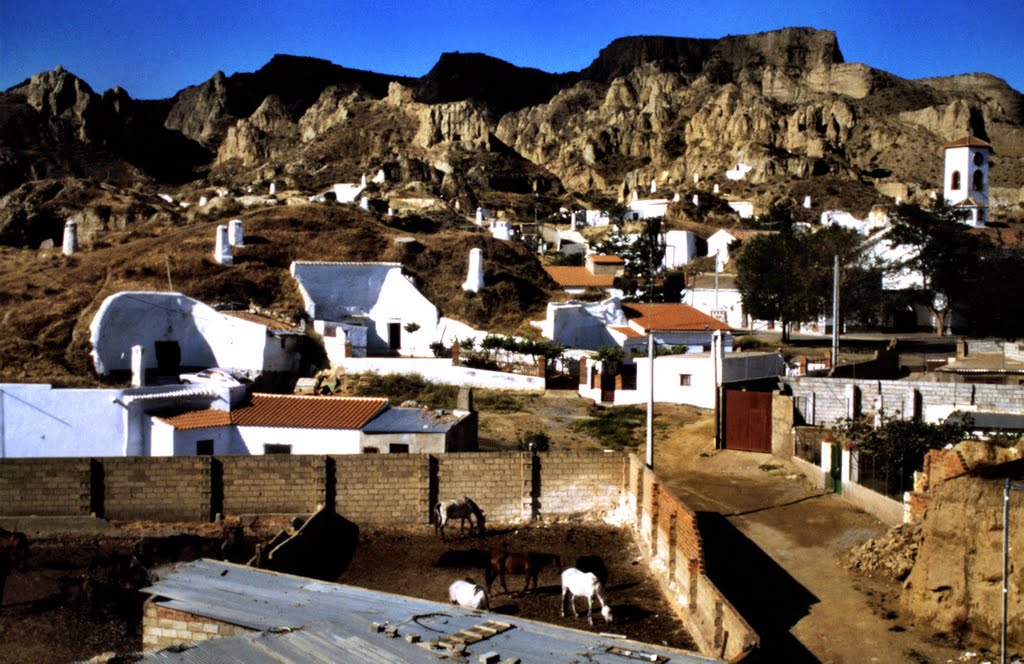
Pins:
x: 394, y: 336
x: 608, y: 387
x: 834, y: 479
x: 168, y: 357
x: 748, y: 421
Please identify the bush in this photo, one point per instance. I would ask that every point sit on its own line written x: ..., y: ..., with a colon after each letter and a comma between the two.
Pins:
x: 405, y: 387
x: 615, y: 428
x: 535, y: 441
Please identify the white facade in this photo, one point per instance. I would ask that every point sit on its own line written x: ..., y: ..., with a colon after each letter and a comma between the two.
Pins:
x: 441, y: 370
x: 347, y: 192
x: 647, y: 208
x: 374, y: 296
x: 686, y: 379
x: 745, y: 209
x: 738, y: 172
x: 718, y: 245
x: 680, y: 248
x: 577, y: 324
x: 39, y: 421
x: 725, y: 303
x: 203, y: 336
x: 966, y: 178
x: 501, y: 229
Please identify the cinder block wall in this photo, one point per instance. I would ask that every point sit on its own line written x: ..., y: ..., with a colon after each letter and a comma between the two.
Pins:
x: 163, y: 627
x: 45, y: 487
x: 272, y: 484
x: 499, y: 482
x: 156, y: 488
x: 379, y: 489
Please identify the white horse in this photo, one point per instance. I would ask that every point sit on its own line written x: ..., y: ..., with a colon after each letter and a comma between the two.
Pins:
x: 458, y: 508
x: 584, y: 584
x: 468, y: 594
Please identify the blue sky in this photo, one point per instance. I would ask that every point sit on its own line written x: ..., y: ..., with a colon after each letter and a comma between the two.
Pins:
x: 153, y: 49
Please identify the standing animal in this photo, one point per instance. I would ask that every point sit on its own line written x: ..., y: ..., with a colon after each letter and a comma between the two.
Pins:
x: 529, y: 564
x: 13, y: 552
x: 458, y: 508
x: 466, y: 593
x: 584, y: 584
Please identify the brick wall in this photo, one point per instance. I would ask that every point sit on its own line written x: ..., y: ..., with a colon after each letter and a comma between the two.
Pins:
x: 385, y: 489
x: 272, y: 484
x: 939, y: 466
x: 46, y: 487
x: 163, y: 627
x: 157, y: 488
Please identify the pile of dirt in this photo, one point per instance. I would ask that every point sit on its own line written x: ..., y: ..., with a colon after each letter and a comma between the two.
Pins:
x: 891, y: 555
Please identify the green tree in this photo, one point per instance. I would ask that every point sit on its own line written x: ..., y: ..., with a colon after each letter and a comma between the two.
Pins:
x: 771, y: 281
x: 944, y: 250
x: 643, y: 254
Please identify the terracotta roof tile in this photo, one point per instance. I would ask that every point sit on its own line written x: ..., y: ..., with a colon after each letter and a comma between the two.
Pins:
x: 305, y: 412
x: 198, y: 419
x: 969, y: 142
x: 602, y: 259
x: 627, y: 332
x: 671, y: 316
x: 280, y: 410
x: 578, y: 277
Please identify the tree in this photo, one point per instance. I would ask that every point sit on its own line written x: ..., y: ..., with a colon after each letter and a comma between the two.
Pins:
x: 770, y: 280
x: 643, y: 255
x: 943, y: 250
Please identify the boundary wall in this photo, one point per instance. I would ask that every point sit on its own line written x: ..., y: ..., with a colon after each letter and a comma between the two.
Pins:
x: 393, y: 490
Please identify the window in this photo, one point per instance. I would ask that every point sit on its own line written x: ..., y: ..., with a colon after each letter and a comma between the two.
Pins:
x: 979, y: 181
x: 628, y: 373
x: 979, y: 158
x: 370, y: 450
x: 954, y: 181
x: 204, y: 447
x: 271, y: 448
x: 684, y: 380
x: 398, y: 448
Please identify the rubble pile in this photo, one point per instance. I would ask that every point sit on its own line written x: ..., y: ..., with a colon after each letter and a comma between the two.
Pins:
x: 892, y: 554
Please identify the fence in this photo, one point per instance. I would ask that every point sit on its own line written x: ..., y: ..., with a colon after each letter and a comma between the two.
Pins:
x: 871, y: 473
x: 807, y: 444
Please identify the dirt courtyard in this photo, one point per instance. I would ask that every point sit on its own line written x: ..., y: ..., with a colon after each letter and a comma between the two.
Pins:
x: 419, y: 564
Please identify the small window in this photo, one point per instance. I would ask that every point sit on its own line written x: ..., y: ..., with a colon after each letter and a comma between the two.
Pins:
x: 684, y: 380
x: 398, y: 448
x: 271, y: 448
x: 979, y: 158
x: 204, y: 447
x: 370, y: 450
x: 954, y: 181
x: 979, y: 181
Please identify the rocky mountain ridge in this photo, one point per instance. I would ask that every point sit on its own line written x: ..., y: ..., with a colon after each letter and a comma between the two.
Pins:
x: 476, y: 130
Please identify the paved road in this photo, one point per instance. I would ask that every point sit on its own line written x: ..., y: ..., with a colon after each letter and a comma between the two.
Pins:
x: 771, y: 545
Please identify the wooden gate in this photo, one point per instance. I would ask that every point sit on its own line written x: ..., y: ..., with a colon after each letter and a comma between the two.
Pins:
x: 748, y: 421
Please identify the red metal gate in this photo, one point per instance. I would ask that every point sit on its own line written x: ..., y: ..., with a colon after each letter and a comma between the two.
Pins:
x: 748, y: 421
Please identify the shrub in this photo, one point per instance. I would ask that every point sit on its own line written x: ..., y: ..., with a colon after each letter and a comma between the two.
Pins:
x: 535, y: 441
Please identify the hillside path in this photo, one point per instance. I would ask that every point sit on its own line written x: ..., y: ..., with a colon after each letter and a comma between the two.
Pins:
x: 772, y: 545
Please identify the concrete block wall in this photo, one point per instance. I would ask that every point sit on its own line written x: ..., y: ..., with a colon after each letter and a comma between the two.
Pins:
x: 275, y: 484
x: 392, y: 489
x: 163, y: 627
x: 157, y: 488
x: 46, y: 486
x: 575, y: 483
x: 501, y: 483
x: 825, y: 399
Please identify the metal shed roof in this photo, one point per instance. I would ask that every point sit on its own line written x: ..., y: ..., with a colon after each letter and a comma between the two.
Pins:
x: 331, y: 622
x: 412, y: 420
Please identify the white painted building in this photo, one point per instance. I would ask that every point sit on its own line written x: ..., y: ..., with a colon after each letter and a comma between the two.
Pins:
x: 680, y: 248
x: 966, y: 182
x: 745, y: 209
x: 738, y: 172
x: 177, y: 330
x: 647, y: 208
x: 370, y: 306
x: 721, y: 242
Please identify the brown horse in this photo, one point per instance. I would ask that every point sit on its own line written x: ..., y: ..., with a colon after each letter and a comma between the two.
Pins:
x: 528, y: 564
x: 13, y: 552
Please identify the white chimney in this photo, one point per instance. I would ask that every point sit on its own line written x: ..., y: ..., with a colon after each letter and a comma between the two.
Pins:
x: 479, y: 216
x: 364, y: 203
x: 235, y: 237
x: 807, y: 202
x: 715, y: 190
x: 362, y: 180
x: 696, y: 178
x: 636, y: 196
x: 273, y: 188
x: 70, y: 245
x: 222, y: 253
x: 138, y: 366
x: 475, y: 276
x: 203, y: 200
x: 654, y: 186
x: 696, y: 200
x: 675, y: 199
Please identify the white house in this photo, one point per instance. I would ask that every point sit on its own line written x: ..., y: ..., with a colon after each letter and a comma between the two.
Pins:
x: 371, y: 307
x: 966, y: 183
x: 718, y: 298
x: 598, y: 272
x: 691, y: 378
x: 745, y: 209
x: 738, y: 172
x: 721, y: 242
x: 647, y: 208
x: 680, y: 248
x: 176, y: 330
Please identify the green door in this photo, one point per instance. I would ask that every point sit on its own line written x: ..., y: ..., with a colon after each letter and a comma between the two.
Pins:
x: 834, y: 480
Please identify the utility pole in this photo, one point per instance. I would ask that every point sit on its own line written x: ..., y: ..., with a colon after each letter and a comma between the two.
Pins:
x: 650, y: 402
x: 835, y: 313
x: 1007, y: 487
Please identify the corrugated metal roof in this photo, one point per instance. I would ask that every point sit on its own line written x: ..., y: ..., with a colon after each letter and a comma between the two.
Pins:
x: 331, y: 623
x: 412, y: 420
x: 578, y: 277
x: 670, y: 316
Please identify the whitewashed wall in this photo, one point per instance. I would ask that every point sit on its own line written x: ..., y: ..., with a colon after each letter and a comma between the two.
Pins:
x: 206, y: 337
x: 166, y: 441
x: 303, y: 441
x: 440, y: 370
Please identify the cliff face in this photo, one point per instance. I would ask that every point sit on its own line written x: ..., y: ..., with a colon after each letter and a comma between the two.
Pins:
x: 647, y: 108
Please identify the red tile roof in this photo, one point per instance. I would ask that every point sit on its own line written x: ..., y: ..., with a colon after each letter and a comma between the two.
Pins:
x: 627, y: 332
x: 578, y: 277
x: 969, y: 142
x: 281, y: 410
x: 602, y: 259
x: 671, y: 316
